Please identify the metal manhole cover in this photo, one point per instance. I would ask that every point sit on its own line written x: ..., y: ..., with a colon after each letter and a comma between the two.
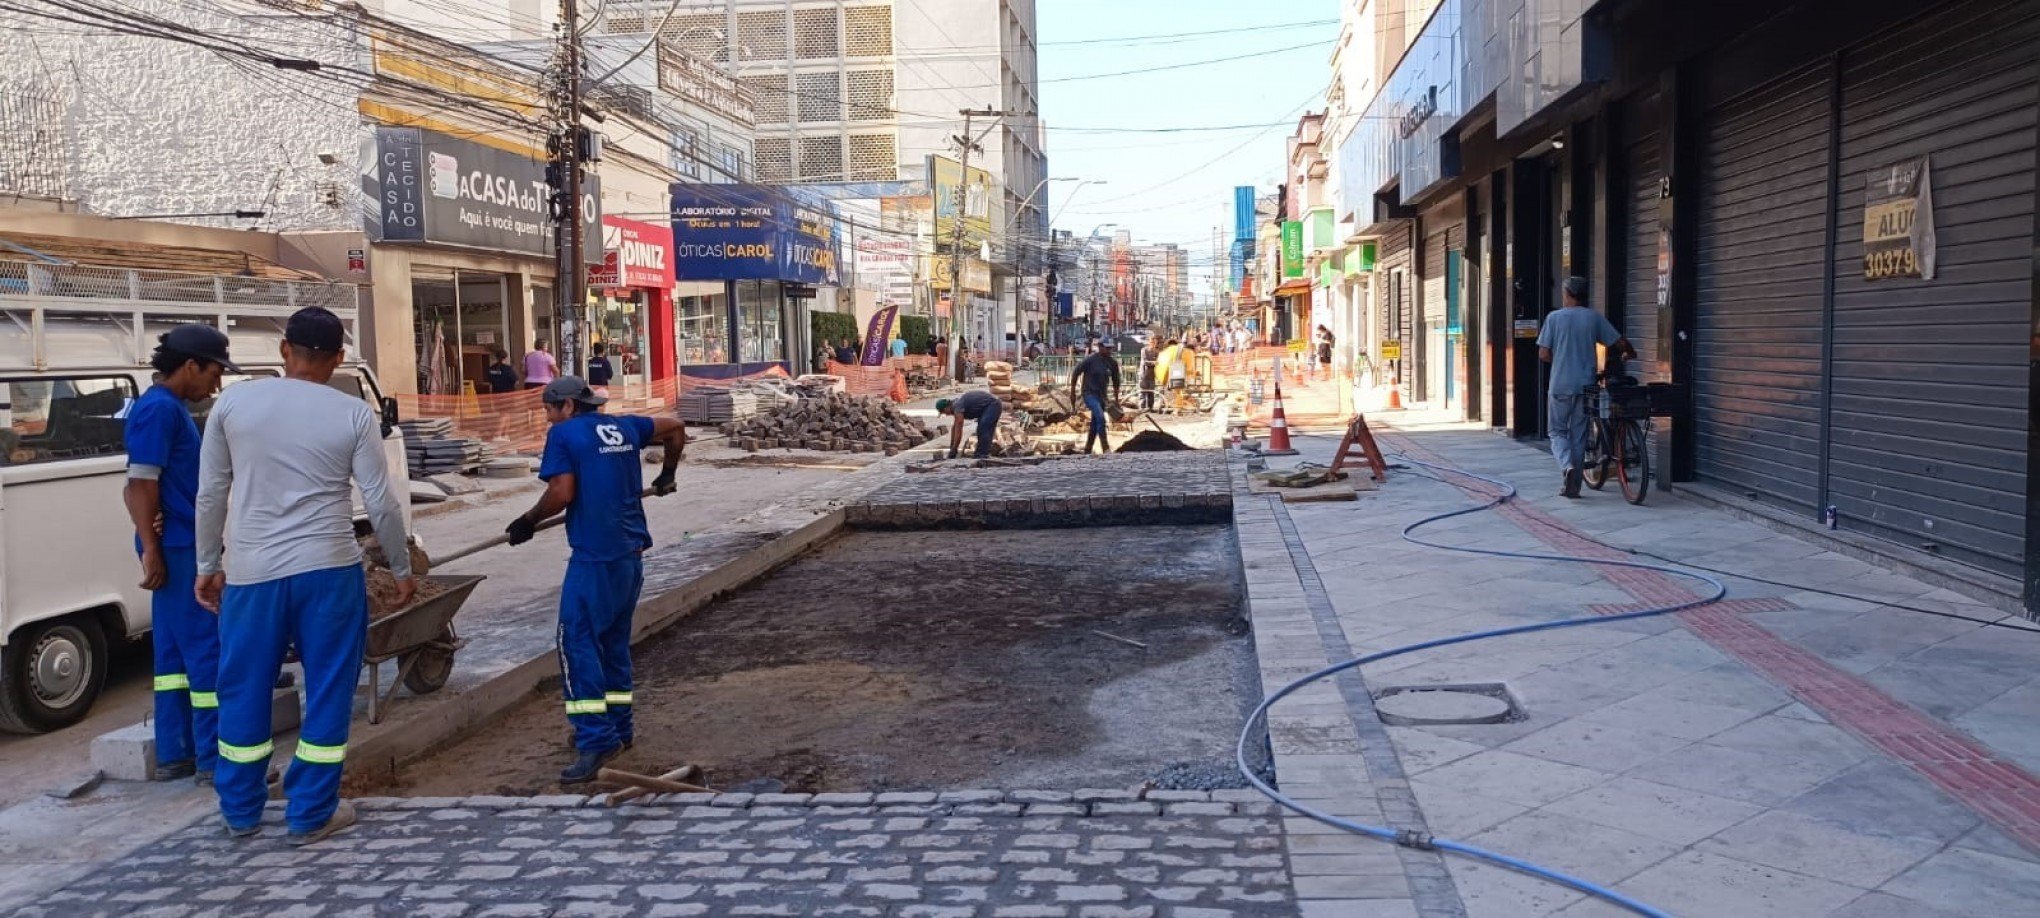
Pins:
x: 1431, y: 705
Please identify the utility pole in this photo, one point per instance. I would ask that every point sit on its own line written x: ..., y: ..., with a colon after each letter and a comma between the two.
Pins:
x: 566, y: 147
x: 968, y: 142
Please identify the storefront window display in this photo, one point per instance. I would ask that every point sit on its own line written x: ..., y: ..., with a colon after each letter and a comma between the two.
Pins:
x: 460, y: 319
x: 758, y: 321
x: 704, y: 330
x: 620, y: 329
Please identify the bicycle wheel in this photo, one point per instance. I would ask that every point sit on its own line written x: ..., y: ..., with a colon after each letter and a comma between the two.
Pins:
x: 1632, y: 462
x: 1594, y: 459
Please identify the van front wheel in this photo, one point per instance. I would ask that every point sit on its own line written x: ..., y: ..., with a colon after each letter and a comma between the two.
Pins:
x: 51, y: 673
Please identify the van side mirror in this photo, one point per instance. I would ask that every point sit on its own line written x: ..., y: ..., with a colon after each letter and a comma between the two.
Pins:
x: 389, y: 415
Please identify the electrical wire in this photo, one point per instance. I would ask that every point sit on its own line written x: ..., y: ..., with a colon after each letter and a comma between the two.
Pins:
x: 1412, y: 838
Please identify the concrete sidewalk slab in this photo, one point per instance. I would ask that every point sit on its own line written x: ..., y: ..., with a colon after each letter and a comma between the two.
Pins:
x: 1789, y: 752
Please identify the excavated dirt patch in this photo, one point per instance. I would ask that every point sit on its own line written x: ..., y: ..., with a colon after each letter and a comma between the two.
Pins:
x: 929, y: 660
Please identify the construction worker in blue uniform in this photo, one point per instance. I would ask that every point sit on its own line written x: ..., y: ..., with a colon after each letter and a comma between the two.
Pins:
x: 161, y: 497
x: 283, y: 457
x: 592, y: 472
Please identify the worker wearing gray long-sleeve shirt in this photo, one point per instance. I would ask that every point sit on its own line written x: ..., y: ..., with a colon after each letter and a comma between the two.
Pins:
x: 279, y: 455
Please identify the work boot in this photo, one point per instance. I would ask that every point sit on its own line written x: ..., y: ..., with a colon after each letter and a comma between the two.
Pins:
x: 175, y: 771
x: 203, y: 779
x: 234, y: 831
x: 343, y: 816
x: 1573, y: 480
x: 586, y: 765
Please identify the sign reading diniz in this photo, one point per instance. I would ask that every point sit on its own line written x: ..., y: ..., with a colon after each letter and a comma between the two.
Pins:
x: 1898, y: 222
x: 636, y: 254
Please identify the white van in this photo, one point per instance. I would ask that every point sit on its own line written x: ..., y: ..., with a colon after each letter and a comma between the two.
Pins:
x: 74, y: 349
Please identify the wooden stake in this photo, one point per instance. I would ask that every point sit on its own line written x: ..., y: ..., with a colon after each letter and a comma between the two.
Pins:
x: 632, y: 793
x: 649, y: 783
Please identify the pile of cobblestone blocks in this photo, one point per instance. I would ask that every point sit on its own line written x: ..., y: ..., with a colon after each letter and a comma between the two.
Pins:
x: 1003, y: 854
x: 1143, y: 489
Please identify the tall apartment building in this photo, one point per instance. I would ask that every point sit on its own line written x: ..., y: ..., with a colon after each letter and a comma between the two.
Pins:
x: 865, y: 90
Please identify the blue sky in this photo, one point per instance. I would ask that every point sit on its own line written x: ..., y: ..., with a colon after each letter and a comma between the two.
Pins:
x: 1174, y: 187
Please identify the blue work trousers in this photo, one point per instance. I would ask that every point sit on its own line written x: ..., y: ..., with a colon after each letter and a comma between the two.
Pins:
x: 597, y: 602
x: 1096, y: 403
x: 988, y: 429
x: 1568, y: 423
x: 325, y: 614
x: 187, y: 651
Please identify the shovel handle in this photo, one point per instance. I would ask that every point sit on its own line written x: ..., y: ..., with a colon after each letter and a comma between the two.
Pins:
x: 504, y: 539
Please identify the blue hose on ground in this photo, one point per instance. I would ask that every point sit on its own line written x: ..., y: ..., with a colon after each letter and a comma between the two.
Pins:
x: 1423, y: 840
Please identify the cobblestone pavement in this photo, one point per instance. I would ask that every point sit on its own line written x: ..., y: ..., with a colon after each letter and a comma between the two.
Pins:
x: 958, y: 854
x: 1118, y: 488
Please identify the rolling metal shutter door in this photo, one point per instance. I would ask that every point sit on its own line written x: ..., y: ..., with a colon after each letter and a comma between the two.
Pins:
x: 1928, y: 425
x: 1760, y: 265
x: 1639, y: 270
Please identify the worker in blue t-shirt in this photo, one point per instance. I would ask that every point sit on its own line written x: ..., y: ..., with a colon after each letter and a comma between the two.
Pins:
x: 592, y: 471
x: 162, y: 486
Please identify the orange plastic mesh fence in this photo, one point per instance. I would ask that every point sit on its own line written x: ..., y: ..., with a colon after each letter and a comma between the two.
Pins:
x: 515, y: 421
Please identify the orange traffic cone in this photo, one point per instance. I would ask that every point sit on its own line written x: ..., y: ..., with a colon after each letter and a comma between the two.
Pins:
x: 1395, y: 392
x: 1278, y: 430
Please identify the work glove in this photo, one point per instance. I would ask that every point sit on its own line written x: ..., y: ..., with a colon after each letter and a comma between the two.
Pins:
x: 521, y: 530
x: 663, y: 485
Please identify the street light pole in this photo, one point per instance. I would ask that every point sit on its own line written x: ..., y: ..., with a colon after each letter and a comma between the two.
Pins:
x: 969, y: 143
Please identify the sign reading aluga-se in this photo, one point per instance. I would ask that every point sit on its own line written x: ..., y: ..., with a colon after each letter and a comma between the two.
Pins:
x: 1898, y: 221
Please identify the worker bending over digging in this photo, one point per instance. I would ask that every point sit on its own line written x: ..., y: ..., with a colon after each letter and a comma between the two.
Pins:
x: 161, y: 497
x: 592, y: 471
x: 280, y: 455
x: 980, y: 406
x: 1092, y: 373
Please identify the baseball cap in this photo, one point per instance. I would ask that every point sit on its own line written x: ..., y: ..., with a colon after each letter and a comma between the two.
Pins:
x: 571, y: 389
x: 1577, y: 286
x: 942, y: 405
x: 201, y: 341
x: 316, y: 328
x: 1105, y: 343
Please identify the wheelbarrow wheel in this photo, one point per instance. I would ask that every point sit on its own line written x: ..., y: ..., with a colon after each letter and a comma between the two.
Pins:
x: 427, y: 668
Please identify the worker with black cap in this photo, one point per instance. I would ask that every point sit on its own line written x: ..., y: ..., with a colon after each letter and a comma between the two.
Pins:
x: 975, y: 405
x: 1092, y: 374
x: 1568, y: 342
x: 161, y: 497
x: 284, y: 456
x: 592, y: 472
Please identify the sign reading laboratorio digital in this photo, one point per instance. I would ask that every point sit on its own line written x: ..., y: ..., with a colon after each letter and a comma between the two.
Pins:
x: 436, y: 188
x: 749, y: 232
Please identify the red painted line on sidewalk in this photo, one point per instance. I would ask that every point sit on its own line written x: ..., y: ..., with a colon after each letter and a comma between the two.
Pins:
x: 1999, y: 790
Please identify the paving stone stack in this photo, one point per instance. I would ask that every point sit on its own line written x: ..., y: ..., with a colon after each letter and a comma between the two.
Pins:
x: 834, y: 423
x: 430, y: 448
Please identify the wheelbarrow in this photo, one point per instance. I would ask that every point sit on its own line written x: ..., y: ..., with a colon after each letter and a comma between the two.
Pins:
x: 420, y: 637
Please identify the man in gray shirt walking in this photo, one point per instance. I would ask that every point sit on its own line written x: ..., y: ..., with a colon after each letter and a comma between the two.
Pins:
x: 1567, y: 342
x: 279, y: 455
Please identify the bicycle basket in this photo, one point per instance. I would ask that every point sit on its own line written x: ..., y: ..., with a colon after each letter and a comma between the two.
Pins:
x: 1620, y: 403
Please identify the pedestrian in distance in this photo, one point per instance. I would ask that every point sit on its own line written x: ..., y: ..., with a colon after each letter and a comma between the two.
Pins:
x: 283, y: 457
x: 162, y: 498
x: 593, y: 474
x: 501, y: 376
x: 846, y: 352
x: 1567, y: 342
x: 1324, y: 348
x: 1091, y: 375
x: 976, y: 405
x: 600, y: 370
x: 1149, y: 353
x: 897, y: 348
x: 539, y: 366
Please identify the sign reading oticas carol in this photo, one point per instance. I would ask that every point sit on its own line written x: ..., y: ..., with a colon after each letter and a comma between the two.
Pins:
x: 1898, y: 222
x: 749, y: 232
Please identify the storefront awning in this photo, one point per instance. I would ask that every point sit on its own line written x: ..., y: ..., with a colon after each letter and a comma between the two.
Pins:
x: 1295, y: 286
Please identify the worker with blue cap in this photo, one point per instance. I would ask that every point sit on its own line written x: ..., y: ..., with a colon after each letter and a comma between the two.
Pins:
x: 161, y: 497
x: 592, y: 472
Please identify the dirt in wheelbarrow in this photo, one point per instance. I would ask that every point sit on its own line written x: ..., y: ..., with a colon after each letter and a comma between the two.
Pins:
x: 382, y: 593
x: 906, y: 661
